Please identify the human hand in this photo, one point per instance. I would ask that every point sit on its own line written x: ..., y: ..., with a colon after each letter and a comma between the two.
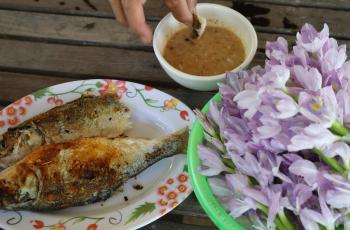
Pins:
x: 130, y: 13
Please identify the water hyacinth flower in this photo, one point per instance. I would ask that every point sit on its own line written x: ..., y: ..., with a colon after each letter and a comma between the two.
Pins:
x: 314, y: 135
x: 211, y: 162
x: 277, y: 50
x: 283, y: 127
x: 320, y: 108
x: 311, y: 40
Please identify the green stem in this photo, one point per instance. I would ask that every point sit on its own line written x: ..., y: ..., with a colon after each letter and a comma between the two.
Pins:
x: 277, y: 221
x: 286, y: 91
x: 72, y: 91
x: 339, y: 129
x: 329, y: 161
x: 144, y: 99
x: 229, y: 163
x: 285, y: 220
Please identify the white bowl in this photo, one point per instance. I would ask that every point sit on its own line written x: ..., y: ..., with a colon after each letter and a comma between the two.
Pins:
x: 215, y: 14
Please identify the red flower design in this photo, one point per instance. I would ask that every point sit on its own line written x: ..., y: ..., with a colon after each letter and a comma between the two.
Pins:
x: 92, y: 227
x: 37, y: 224
x: 11, y: 111
x: 148, y: 88
x: 170, y: 181
x: 173, y: 204
x: 51, y: 100
x: 22, y: 110
x: 59, y: 102
x: 182, y: 188
x: 162, y: 190
x: 28, y: 100
x: 2, y: 123
x: 184, y: 115
x: 162, y: 211
x: 172, y: 195
x: 115, y: 87
x: 182, y: 178
x: 13, y: 121
x: 17, y: 102
x: 162, y: 202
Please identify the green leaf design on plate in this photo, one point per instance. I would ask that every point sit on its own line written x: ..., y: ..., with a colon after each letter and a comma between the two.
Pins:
x: 79, y: 219
x: 142, y: 210
x: 99, y: 84
x: 185, y: 168
x: 148, y: 100
x: 40, y: 93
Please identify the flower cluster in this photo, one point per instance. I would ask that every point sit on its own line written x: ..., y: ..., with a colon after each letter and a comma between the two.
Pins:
x: 276, y: 147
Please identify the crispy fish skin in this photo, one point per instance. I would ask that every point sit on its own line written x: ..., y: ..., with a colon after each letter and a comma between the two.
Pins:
x: 80, y: 172
x: 88, y: 116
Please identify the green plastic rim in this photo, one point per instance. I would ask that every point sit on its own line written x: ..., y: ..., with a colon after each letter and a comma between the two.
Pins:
x: 201, y: 188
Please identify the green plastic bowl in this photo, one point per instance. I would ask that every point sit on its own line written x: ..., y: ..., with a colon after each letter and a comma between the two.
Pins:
x: 201, y: 188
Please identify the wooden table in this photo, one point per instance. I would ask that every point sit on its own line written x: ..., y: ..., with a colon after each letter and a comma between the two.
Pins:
x: 46, y: 42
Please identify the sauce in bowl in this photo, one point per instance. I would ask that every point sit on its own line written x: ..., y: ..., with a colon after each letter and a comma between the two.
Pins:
x: 218, y: 50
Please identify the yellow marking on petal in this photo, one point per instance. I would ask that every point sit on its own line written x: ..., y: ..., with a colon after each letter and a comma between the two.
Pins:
x: 315, y: 107
x: 335, y: 86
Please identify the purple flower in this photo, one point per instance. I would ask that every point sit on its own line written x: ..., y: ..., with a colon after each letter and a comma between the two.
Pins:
x: 314, y: 135
x: 276, y: 77
x: 300, y: 194
x: 310, y: 39
x: 248, y: 100
x: 343, y: 98
x: 270, y: 127
x: 211, y: 162
x: 331, y: 56
x: 250, y: 166
x: 309, y: 79
x: 305, y: 169
x: 277, y: 50
x: 239, y: 206
x: 278, y: 105
x: 321, y: 108
x: 339, y: 149
x: 339, y: 198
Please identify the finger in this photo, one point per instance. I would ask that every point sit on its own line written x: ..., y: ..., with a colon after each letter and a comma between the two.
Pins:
x: 135, y: 16
x: 118, y: 12
x: 180, y: 10
x: 191, y: 5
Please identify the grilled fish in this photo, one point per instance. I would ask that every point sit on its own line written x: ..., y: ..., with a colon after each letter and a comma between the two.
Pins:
x: 88, y: 116
x: 80, y: 172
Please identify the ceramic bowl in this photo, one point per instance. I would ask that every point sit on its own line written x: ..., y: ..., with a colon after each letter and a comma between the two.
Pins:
x: 215, y: 14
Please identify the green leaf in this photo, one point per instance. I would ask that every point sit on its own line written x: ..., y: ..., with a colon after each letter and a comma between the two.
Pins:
x: 185, y: 168
x: 79, y: 219
x: 141, y: 211
x: 148, y: 100
x: 99, y: 84
x: 40, y: 93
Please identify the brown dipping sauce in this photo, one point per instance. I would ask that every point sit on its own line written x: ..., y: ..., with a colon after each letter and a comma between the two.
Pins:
x: 218, y: 50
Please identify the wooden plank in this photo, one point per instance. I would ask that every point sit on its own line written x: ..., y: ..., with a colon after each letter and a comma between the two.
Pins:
x: 288, y: 19
x: 170, y: 225
x: 67, y: 29
x: 333, y: 4
x: 83, y: 30
x: 87, y: 62
x: 17, y: 85
x: 154, y: 9
x: 84, y: 62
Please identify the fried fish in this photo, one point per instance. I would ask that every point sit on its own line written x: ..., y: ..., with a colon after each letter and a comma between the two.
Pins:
x: 80, y: 172
x: 88, y: 116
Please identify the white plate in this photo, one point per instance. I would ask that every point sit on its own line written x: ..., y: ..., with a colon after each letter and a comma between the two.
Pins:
x: 165, y: 184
